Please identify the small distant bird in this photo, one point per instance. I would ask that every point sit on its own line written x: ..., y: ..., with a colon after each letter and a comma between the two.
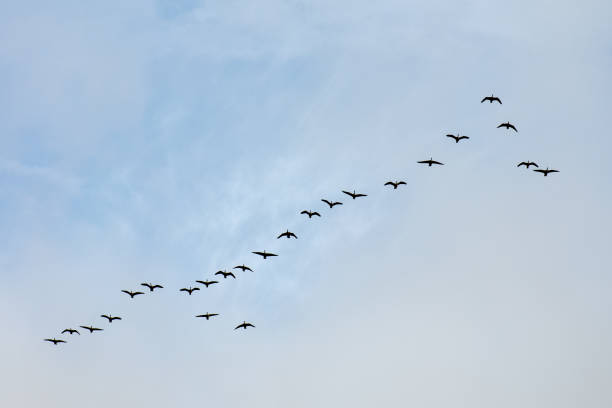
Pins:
x: 430, y: 162
x: 243, y: 267
x: 208, y: 315
x: 311, y: 213
x: 507, y: 125
x: 190, y: 290
x: 458, y: 138
x: 91, y: 328
x: 225, y: 274
x: 545, y: 172
x: 71, y: 331
x: 110, y: 318
x: 55, y: 341
x: 207, y: 283
x: 287, y: 234
x: 395, y: 184
x: 527, y: 164
x: 330, y: 203
x: 244, y: 325
x: 132, y: 294
x: 264, y: 254
x: 151, y: 286
x: 491, y: 99
x: 354, y: 195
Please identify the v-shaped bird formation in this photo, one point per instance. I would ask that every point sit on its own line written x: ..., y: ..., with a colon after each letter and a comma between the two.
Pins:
x: 288, y: 234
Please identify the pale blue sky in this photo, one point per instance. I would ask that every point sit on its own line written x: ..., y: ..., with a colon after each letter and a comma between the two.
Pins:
x: 158, y: 142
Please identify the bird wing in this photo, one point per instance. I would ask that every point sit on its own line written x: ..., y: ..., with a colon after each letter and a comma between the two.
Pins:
x: 389, y: 183
x: 533, y: 164
x: 105, y: 316
x: 291, y: 234
x: 232, y: 275
x: 248, y: 324
x: 553, y: 171
x: 401, y: 182
x: 484, y: 99
x: 423, y: 161
x: 219, y: 273
x: 239, y: 326
x: 437, y: 162
x: 95, y: 328
x: 51, y: 340
x: 464, y: 137
x: 349, y: 193
x: 281, y: 235
x: 304, y: 212
x: 521, y: 164
x: 213, y: 314
x: 327, y: 202
x: 497, y: 99
x: 138, y: 293
x: 201, y: 282
x: 271, y: 254
x: 512, y: 127
x: 540, y: 171
x: 183, y: 290
x: 259, y: 253
x: 336, y: 203
x: 361, y: 195
x: 158, y: 286
x: 453, y: 136
x: 195, y: 289
x: 116, y: 318
x: 127, y: 291
x: 66, y: 330
x: 316, y: 213
x: 502, y: 125
x: 146, y: 284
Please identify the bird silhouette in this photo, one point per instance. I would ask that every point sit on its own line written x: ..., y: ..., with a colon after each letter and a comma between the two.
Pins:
x: 225, y: 274
x: 395, y: 184
x: 545, y: 172
x: 458, y: 138
x: 287, y: 234
x: 243, y: 267
x: 207, y: 283
x: 244, y: 325
x: 110, y: 318
x: 331, y: 203
x: 491, y: 99
x: 55, y: 341
x: 190, y: 290
x: 151, y: 286
x: 264, y: 254
x: 132, y: 294
x: 311, y: 213
x: 507, y: 125
x: 208, y: 315
x: 91, y: 328
x: 354, y: 195
x: 430, y: 162
x: 527, y: 164
x: 71, y: 331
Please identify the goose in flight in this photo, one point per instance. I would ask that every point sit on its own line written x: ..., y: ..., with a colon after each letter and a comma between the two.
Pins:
x: 110, y: 318
x: 151, y: 286
x: 287, y: 234
x: 55, y: 341
x: 91, y: 328
x: 310, y: 213
x: 132, y: 294
x: 458, y: 138
x: 71, y: 331
x: 395, y: 184
x: 244, y: 325
x: 507, y: 125
x: 491, y: 99
x: 264, y: 254
x: 207, y: 283
x: 330, y: 203
x: 545, y: 172
x: 190, y: 290
x: 527, y: 164
x: 354, y: 195
x: 243, y: 267
x: 430, y: 162
x: 208, y: 315
x: 225, y: 274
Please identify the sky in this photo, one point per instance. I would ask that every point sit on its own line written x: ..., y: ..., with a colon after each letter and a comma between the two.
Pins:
x: 162, y: 141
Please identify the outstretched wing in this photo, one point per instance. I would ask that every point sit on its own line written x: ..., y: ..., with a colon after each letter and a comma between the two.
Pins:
x: 239, y: 326
x: 327, y: 202
x: 496, y: 99
x: 316, y: 213
x: 270, y: 254
x: 127, y: 291
x: 553, y: 171
x: 424, y: 161
x: 336, y: 203
x: 147, y: 285
x: 390, y: 183
x: 540, y: 171
x: 501, y: 125
x: 291, y: 234
x: 437, y: 162
x: 281, y: 235
x: 511, y: 126
x: 257, y: 253
x: 401, y: 182
x: 106, y: 317
x: 359, y: 195
x: 305, y: 212
x: 248, y: 324
x: 183, y: 290
x: 463, y: 137
x: 349, y: 193
x: 521, y: 164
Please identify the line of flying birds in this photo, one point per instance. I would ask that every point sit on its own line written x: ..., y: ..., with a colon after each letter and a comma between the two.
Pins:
x: 288, y: 234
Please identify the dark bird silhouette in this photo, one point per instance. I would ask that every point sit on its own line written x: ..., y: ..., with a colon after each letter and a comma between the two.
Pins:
x: 225, y: 274
x: 545, y: 172
x: 151, y: 286
x: 55, y: 341
x: 458, y: 138
x: 243, y: 267
x: 287, y: 234
x: 395, y: 184
x: 527, y: 164
x: 507, y: 125
x: 354, y: 195
x: 207, y: 283
x: 110, y: 318
x: 132, y: 294
x: 71, y: 331
x: 190, y: 290
x: 330, y: 203
x: 244, y: 325
x: 91, y: 328
x: 208, y: 315
x: 310, y: 213
x: 264, y: 254
x: 430, y: 162
x: 491, y: 99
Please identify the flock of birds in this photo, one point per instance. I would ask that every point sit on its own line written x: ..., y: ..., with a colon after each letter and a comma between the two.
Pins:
x: 287, y: 234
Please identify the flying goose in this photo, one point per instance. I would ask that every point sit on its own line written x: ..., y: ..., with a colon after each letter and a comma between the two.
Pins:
x: 110, y: 318
x: 491, y: 99
x: 225, y: 274
x: 151, y: 286
x: 207, y: 283
x: 527, y: 164
x: 458, y: 138
x: 545, y: 172
x: 132, y: 294
x: 287, y: 234
x: 264, y: 254
x: 244, y: 325
x: 71, y: 331
x: 208, y: 315
x: 243, y: 267
x: 430, y: 162
x: 190, y: 290
x: 91, y: 328
x: 330, y: 203
x: 311, y: 213
x: 508, y: 125
x: 55, y: 341
x: 354, y: 195
x: 395, y: 184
